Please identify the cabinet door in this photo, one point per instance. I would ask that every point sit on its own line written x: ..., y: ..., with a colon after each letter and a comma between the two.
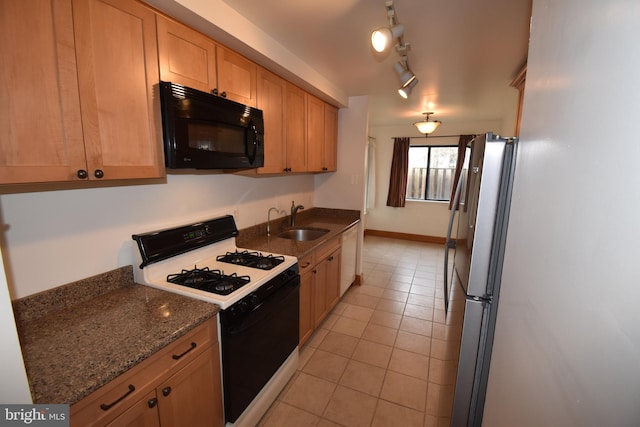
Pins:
x: 330, y: 152
x: 320, y: 307
x: 142, y: 414
x: 117, y: 56
x: 307, y: 323
x: 315, y: 134
x: 333, y: 279
x: 237, y: 76
x: 295, y: 129
x: 40, y: 124
x: 271, y: 99
x: 187, y: 57
x: 193, y: 396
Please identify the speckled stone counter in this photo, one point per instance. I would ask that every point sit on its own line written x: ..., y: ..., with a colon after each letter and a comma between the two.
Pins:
x: 80, y: 336
x: 335, y: 220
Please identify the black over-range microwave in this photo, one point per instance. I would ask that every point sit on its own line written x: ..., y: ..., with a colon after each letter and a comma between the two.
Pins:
x: 205, y: 131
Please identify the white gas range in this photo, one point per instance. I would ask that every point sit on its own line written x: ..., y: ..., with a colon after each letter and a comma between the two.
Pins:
x: 259, y: 299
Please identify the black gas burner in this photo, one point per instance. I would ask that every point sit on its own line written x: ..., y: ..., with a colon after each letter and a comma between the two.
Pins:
x: 204, y: 279
x: 251, y: 259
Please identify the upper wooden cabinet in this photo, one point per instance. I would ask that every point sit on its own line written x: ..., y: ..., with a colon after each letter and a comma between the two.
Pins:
x: 330, y: 152
x: 237, y: 76
x: 83, y: 106
x: 192, y: 59
x: 322, y: 136
x: 315, y: 134
x: 118, y: 74
x: 295, y: 117
x: 271, y: 100
x: 187, y: 57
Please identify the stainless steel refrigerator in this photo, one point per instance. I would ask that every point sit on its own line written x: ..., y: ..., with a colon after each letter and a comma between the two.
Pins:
x: 481, y: 224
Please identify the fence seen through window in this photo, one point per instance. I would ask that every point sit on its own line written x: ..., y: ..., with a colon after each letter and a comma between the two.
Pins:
x: 432, y: 170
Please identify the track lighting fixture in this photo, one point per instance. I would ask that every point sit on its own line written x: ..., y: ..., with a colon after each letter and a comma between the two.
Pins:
x: 381, y: 40
x: 425, y: 126
x: 406, y: 91
x: 383, y: 37
x: 407, y: 79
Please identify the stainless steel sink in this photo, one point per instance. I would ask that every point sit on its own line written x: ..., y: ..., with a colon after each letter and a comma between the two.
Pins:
x: 303, y: 233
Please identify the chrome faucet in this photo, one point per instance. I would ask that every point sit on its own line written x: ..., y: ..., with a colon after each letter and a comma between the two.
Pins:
x: 294, y: 211
x: 269, y: 218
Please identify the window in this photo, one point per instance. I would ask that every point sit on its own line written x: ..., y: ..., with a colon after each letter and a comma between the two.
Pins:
x: 432, y: 170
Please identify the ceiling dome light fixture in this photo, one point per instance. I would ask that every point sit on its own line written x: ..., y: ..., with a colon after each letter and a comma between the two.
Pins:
x: 425, y: 126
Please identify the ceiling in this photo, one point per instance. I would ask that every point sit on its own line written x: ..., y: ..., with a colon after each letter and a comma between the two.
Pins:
x: 464, y: 53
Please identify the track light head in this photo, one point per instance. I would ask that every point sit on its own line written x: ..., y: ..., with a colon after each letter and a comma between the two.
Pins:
x: 407, y: 79
x: 405, y: 91
x: 382, y: 38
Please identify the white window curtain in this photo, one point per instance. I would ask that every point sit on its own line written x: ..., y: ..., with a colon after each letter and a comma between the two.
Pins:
x: 370, y: 182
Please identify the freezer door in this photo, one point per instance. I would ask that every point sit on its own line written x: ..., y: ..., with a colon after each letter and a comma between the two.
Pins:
x: 478, y: 219
x: 470, y: 363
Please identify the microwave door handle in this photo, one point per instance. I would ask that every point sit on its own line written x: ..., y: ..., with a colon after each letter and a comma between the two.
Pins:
x: 252, y: 157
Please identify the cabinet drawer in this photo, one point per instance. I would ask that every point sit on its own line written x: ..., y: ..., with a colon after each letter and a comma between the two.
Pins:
x: 325, y: 250
x: 110, y: 400
x: 306, y: 263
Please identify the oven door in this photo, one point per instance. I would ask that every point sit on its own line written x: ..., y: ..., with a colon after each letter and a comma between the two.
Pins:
x: 256, y: 343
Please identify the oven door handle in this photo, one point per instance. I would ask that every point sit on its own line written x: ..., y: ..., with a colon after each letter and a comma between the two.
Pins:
x: 263, y: 310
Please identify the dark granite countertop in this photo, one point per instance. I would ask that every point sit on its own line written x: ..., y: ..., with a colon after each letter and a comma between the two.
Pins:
x: 80, y: 336
x: 335, y: 220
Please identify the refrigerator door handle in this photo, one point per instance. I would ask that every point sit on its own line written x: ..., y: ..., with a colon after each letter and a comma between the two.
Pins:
x: 450, y: 244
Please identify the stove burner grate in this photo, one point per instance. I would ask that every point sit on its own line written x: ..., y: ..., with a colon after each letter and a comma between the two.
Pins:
x: 204, y: 279
x: 251, y: 259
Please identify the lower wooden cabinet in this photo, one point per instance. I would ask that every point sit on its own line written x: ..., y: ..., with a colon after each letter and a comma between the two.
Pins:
x: 179, y: 385
x: 319, y: 286
x: 188, y: 398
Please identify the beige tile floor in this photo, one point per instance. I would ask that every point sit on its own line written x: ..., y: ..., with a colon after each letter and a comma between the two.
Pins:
x: 387, y: 353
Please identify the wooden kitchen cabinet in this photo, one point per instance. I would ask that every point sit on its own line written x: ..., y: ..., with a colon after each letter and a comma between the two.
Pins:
x: 327, y: 288
x: 295, y: 129
x: 144, y: 413
x: 330, y: 149
x: 192, y: 396
x: 319, y: 286
x: 271, y: 100
x: 237, y: 76
x: 315, y: 134
x: 83, y: 106
x: 192, y: 59
x: 322, y: 136
x: 179, y: 385
x: 186, y: 56
x: 307, y: 276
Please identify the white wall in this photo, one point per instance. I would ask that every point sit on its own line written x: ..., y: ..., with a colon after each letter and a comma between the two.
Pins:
x: 344, y: 189
x: 567, y: 345
x: 56, y: 237
x: 421, y: 218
